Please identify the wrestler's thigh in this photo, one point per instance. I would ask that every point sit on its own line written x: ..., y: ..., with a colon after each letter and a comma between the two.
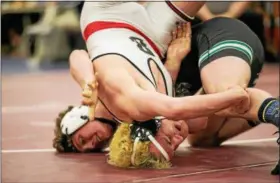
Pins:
x: 225, y: 72
x: 229, y: 54
x: 218, y: 131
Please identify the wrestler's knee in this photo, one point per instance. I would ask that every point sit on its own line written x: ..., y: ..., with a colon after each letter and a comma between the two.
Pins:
x: 208, y: 135
x: 198, y: 124
x: 217, y: 134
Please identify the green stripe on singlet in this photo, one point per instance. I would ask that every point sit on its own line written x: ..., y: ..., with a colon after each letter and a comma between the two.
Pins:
x: 228, y: 44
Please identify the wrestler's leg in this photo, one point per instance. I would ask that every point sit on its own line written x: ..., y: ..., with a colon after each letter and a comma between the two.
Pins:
x: 219, y: 74
x: 263, y: 108
x: 218, y: 130
x: 217, y: 77
x: 227, y: 124
x: 225, y: 72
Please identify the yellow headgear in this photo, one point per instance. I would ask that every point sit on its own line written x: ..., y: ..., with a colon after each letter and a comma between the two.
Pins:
x: 130, y: 148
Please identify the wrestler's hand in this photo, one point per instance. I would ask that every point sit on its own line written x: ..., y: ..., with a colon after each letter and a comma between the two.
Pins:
x: 180, y: 45
x: 90, y: 96
x: 241, y: 106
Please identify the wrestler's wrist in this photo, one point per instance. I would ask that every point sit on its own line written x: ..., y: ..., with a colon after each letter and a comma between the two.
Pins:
x: 172, y: 64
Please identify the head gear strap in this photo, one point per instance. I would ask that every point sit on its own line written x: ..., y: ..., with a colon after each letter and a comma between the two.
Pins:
x: 144, y: 131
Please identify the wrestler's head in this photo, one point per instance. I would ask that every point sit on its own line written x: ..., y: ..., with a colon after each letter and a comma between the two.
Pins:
x: 134, y: 146
x: 75, y: 133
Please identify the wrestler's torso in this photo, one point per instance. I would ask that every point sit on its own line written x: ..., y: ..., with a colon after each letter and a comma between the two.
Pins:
x: 146, y: 69
x: 111, y: 70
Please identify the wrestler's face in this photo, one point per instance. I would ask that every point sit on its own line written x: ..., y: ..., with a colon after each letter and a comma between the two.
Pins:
x: 170, y: 135
x: 92, y: 136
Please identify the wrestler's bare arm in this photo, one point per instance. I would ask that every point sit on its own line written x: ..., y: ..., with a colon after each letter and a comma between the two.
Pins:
x: 151, y: 104
x: 129, y: 98
x: 81, y: 67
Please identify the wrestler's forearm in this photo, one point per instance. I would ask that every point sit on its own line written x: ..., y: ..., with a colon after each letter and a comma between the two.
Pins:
x: 153, y: 104
x: 173, y: 67
x: 81, y: 67
x: 204, y: 105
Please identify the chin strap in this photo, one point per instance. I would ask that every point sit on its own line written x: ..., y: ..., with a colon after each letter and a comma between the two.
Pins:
x: 134, y: 150
x: 142, y: 134
x: 159, y: 147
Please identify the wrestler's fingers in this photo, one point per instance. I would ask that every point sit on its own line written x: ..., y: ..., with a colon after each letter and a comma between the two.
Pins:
x: 96, y: 79
x: 96, y: 75
x: 94, y: 85
x: 174, y: 35
x: 179, y: 31
x: 87, y: 93
x: 184, y: 29
x: 188, y: 30
x: 87, y: 102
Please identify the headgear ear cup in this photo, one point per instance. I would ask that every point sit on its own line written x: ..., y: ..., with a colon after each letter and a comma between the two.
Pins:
x: 74, y: 120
